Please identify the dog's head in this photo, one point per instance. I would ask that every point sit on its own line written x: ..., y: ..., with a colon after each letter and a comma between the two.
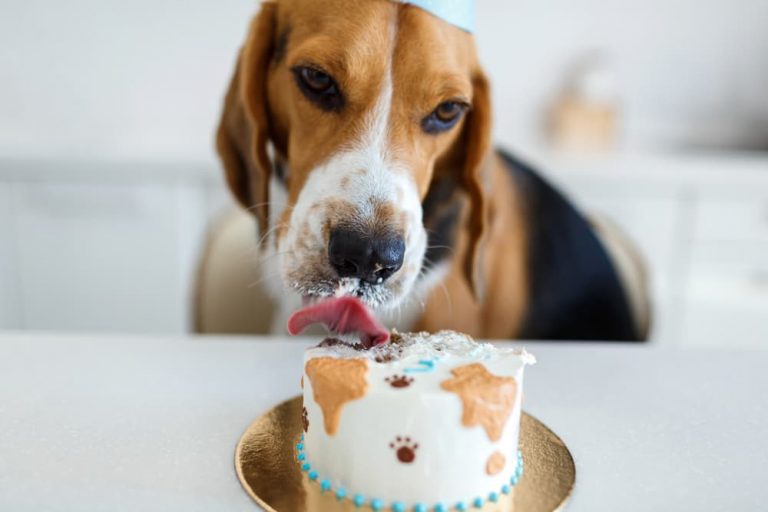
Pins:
x: 350, y: 111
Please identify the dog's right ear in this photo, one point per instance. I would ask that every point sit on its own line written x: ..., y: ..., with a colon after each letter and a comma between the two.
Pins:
x: 478, y: 145
x: 243, y: 133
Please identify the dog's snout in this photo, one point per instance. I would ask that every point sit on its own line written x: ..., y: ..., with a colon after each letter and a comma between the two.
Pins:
x: 370, y: 258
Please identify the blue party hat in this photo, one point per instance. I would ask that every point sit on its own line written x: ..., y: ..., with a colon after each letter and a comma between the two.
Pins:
x: 456, y: 12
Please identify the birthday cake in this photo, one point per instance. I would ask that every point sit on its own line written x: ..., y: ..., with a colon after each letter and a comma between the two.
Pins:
x: 422, y: 423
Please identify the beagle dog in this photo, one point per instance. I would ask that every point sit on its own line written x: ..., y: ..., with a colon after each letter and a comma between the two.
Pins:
x: 358, y: 133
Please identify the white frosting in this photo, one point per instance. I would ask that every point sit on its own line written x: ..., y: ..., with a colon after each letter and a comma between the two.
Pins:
x: 450, y: 461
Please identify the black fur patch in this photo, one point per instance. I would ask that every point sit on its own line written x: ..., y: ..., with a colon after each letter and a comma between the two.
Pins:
x: 575, y: 293
x: 279, y: 169
x: 441, y: 211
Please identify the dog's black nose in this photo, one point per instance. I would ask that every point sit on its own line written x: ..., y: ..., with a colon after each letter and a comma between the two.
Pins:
x: 368, y: 257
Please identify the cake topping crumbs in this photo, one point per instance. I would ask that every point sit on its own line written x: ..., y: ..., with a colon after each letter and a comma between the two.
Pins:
x: 334, y: 342
x: 410, y: 348
x: 387, y: 357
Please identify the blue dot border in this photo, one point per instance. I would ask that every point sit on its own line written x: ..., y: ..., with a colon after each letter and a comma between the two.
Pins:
x: 378, y: 505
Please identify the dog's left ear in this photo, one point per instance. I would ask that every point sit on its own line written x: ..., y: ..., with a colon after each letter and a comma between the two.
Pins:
x: 477, y: 140
x: 243, y: 131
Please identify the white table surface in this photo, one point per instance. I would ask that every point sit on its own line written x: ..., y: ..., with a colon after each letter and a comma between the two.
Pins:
x: 113, y: 423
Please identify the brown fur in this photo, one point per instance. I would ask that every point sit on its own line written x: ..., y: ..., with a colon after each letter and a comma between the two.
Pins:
x: 503, y: 269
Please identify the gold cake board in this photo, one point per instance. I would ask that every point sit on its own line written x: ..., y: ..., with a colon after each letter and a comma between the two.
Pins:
x: 266, y: 467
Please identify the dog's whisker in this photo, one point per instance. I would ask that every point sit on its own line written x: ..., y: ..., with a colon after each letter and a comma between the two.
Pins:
x: 447, y: 297
x: 269, y: 232
x: 450, y: 249
x: 266, y: 203
x: 429, y: 266
x: 264, y: 257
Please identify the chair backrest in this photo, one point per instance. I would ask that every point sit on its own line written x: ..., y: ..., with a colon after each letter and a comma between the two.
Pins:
x: 229, y: 297
x: 630, y: 266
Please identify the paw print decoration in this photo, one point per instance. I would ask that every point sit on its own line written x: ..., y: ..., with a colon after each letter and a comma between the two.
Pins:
x: 399, y: 381
x: 405, y: 449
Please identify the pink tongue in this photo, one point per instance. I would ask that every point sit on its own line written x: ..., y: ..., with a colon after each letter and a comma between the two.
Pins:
x: 341, y: 315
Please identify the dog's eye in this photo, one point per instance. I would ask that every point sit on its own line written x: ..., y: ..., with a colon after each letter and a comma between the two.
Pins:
x: 448, y: 111
x: 444, y: 117
x: 319, y: 87
x: 317, y: 81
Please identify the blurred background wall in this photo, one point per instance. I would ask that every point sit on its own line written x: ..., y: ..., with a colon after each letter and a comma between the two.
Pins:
x: 144, y: 79
x: 108, y: 177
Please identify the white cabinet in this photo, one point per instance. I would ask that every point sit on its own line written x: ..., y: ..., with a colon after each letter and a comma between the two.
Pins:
x: 98, y: 248
x: 9, y: 287
x: 99, y: 257
x: 726, y: 291
x: 733, y: 220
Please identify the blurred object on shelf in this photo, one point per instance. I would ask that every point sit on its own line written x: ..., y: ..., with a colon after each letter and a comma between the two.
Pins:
x: 585, y: 115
